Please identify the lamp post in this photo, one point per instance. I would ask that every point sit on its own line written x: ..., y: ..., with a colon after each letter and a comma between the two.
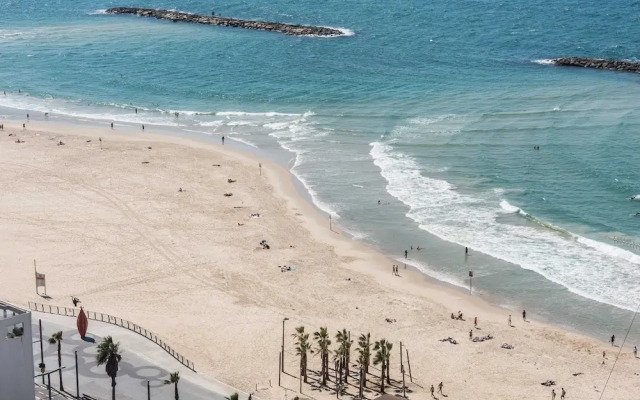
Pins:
x: 283, y: 320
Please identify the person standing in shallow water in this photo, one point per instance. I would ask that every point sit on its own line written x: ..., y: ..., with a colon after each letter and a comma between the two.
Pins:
x: 405, y: 253
x: 223, y: 140
x: 613, y: 340
x: 524, y: 315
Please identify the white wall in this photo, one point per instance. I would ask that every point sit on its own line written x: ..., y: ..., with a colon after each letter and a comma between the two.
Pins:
x: 16, y: 359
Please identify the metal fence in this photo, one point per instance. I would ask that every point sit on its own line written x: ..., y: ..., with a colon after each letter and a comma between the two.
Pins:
x: 110, y: 319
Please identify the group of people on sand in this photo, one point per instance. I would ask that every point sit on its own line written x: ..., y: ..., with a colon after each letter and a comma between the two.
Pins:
x: 440, y: 387
x: 264, y: 244
x: 395, y: 270
x: 458, y: 317
x: 562, y: 394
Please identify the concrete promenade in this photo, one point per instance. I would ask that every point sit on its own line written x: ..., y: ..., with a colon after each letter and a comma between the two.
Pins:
x: 142, y: 361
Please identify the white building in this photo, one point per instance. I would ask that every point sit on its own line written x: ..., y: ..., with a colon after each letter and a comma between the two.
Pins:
x: 16, y: 353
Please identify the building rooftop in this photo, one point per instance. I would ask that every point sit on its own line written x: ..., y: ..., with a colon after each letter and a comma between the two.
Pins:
x: 8, y: 310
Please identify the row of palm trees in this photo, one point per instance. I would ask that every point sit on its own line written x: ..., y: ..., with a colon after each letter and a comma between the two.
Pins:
x: 342, y: 355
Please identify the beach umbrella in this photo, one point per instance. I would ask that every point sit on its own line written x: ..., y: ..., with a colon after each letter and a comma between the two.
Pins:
x: 83, y: 323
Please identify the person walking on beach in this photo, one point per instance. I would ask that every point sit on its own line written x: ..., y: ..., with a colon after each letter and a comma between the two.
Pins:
x: 562, y: 394
x: 613, y: 340
x: 432, y: 391
x: 112, y: 125
x: 223, y: 140
x: 143, y: 127
x: 466, y: 251
x: 475, y: 322
x: 471, y: 334
x: 635, y: 351
x: 524, y: 315
x: 440, y: 386
x: 553, y: 394
x: 509, y: 319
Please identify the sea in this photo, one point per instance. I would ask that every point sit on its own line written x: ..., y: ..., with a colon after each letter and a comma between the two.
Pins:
x: 416, y: 127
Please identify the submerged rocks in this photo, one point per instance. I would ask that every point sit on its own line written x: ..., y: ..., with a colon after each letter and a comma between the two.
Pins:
x: 177, y: 16
x: 597, y: 63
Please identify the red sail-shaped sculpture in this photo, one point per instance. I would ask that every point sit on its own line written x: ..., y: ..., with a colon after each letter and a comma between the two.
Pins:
x: 83, y: 323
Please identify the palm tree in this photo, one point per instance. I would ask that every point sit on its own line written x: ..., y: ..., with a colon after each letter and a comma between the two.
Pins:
x: 383, y: 353
x: 108, y: 353
x: 322, y: 337
x: 302, y: 348
x: 57, y: 338
x: 344, y: 339
x: 362, y: 380
x: 233, y: 396
x: 174, y: 378
x: 364, y: 350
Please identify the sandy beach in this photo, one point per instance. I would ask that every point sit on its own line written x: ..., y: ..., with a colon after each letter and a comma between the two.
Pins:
x: 107, y: 222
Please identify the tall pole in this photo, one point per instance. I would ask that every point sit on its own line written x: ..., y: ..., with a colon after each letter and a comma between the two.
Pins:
x: 77, y: 381
x: 48, y: 384
x: 282, y: 354
x: 279, y: 369
x: 41, y: 348
x: 35, y: 275
x: 401, y: 364
x: 409, y: 364
x: 148, y: 391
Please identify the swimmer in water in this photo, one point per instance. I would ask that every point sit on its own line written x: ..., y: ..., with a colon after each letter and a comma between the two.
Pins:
x: 632, y: 198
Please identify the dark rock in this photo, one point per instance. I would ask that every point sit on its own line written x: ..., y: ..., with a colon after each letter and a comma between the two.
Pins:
x: 597, y: 63
x: 176, y: 16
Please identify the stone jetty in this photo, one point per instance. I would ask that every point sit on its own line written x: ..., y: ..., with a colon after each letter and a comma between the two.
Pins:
x: 177, y: 16
x: 597, y: 63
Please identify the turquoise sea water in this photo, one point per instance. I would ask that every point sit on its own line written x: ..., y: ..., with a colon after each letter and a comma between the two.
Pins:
x: 433, y: 108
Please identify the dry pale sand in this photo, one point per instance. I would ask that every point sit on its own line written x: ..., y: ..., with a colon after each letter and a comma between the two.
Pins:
x: 116, y: 232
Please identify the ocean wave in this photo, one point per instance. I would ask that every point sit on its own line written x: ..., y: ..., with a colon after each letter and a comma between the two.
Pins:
x: 99, y: 12
x: 584, y: 266
x: 237, y: 139
x: 544, y: 61
x: 255, y: 114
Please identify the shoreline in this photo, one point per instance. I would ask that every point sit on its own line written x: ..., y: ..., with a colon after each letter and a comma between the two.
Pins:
x: 316, y: 294
x: 284, y: 159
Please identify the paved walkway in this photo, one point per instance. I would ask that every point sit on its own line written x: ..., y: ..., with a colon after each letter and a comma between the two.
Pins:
x: 142, y: 361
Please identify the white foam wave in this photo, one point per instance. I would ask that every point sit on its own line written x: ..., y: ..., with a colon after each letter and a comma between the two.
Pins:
x: 584, y: 266
x: 237, y: 139
x: 211, y: 124
x: 508, y: 207
x: 544, y: 61
x: 255, y: 114
x: 99, y: 12
x: 241, y: 123
x: 345, y: 31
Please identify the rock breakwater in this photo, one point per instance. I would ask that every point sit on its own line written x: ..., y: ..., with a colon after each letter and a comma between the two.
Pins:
x: 598, y: 63
x: 177, y: 16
